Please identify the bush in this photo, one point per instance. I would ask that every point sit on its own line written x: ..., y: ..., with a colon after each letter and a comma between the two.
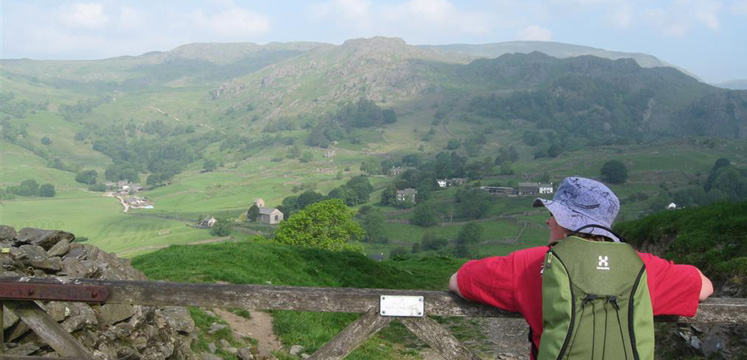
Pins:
x: 222, y: 227
x: 614, y: 172
x: 88, y: 177
x: 326, y: 224
x: 47, y: 190
x: 424, y: 215
x: 398, y: 253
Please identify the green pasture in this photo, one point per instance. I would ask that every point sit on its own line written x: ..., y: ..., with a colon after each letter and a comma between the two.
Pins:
x: 100, y: 219
x: 236, y: 263
x: 179, y: 105
x: 63, y: 146
x: 19, y: 164
x: 34, y: 92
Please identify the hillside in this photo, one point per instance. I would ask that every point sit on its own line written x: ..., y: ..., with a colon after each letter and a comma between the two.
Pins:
x: 713, y: 238
x: 554, y: 49
x: 272, y: 264
x: 276, y: 120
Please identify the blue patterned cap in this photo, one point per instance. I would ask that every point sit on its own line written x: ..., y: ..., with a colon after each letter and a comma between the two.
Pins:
x: 579, y: 202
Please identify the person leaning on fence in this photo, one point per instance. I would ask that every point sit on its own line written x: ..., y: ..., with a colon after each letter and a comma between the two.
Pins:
x: 515, y: 282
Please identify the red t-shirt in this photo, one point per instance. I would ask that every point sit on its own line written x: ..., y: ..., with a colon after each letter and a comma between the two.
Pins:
x: 514, y: 283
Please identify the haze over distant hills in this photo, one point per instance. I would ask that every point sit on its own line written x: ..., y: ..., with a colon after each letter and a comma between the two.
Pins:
x: 209, y: 127
x: 549, y: 94
x: 554, y: 49
x: 733, y: 84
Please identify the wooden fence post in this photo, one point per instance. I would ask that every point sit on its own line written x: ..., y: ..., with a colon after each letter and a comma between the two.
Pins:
x: 2, y: 332
x: 352, y: 336
x: 438, y: 338
x: 48, y: 329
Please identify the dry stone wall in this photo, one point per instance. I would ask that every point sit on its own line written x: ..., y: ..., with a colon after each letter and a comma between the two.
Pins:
x: 110, y: 331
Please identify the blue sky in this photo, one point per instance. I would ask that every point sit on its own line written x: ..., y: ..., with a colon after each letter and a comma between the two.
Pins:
x: 706, y: 37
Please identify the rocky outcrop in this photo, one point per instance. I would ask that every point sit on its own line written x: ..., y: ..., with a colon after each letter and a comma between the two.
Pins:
x: 108, y: 331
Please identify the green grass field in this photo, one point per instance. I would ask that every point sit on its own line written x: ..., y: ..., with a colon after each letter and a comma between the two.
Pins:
x: 230, y: 190
x: 266, y: 263
x: 101, y: 220
x: 267, y: 173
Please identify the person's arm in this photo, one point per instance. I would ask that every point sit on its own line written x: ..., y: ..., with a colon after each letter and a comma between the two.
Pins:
x: 706, y: 287
x: 454, y: 285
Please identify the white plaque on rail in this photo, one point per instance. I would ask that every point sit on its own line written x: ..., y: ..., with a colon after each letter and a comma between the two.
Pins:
x: 396, y: 305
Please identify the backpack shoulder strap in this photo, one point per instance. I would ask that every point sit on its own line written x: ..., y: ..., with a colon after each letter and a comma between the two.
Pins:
x: 575, y: 232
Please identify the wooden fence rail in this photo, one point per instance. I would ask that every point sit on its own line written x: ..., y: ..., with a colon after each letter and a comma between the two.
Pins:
x: 16, y: 294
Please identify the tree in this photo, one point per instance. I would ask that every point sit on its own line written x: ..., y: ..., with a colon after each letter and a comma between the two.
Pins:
x: 361, y: 187
x: 97, y: 187
x: 424, y: 215
x: 430, y: 241
x: 88, y: 177
x: 28, y: 187
x: 389, y: 195
x: 373, y: 223
x: 731, y: 182
x: 389, y: 116
x: 222, y: 227
x: 470, y: 234
x: 46, y: 141
x: 294, y: 152
x: 343, y: 193
x: 720, y: 163
x: 462, y: 251
x: 210, y: 165
x: 371, y: 167
x: 327, y: 224
x: 46, y: 190
x: 506, y: 168
x: 253, y: 212
x: 614, y: 172
x: 307, y: 156
x: 473, y: 203
x: 307, y: 198
x: 398, y: 253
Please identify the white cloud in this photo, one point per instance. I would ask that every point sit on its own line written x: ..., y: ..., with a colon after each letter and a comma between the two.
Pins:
x: 414, y: 20
x: 84, y: 15
x: 739, y: 7
x: 534, y: 33
x: 621, y: 16
x: 681, y: 16
x: 130, y: 18
x: 351, y: 13
x: 436, y: 15
x: 233, y: 23
x: 706, y: 12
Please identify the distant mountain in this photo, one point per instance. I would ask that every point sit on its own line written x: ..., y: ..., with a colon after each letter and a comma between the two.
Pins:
x: 615, y: 99
x: 162, y: 112
x: 554, y: 49
x: 566, y: 89
x: 733, y: 84
x: 198, y: 63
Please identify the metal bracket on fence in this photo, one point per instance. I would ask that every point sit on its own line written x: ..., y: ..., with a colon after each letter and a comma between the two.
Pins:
x: 396, y: 305
x: 53, y: 292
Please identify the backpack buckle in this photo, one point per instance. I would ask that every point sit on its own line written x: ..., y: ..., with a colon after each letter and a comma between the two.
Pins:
x: 613, y: 301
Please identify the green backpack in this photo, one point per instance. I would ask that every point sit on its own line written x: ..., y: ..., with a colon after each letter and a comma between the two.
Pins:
x: 595, y: 302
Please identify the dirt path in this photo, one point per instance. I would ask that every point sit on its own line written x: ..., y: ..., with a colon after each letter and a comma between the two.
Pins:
x: 124, y: 204
x: 259, y: 327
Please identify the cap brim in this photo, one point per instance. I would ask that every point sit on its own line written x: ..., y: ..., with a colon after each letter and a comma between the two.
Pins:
x: 572, y: 220
x: 539, y: 202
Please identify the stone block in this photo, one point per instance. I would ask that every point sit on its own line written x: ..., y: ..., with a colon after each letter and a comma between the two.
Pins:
x: 59, y: 249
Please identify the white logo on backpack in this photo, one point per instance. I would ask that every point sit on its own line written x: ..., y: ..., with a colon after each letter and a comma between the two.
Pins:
x: 603, y: 263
